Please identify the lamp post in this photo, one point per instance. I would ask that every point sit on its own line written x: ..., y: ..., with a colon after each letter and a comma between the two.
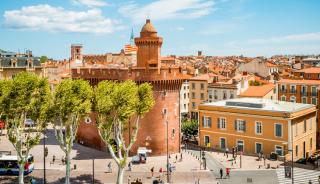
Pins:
x: 44, y: 156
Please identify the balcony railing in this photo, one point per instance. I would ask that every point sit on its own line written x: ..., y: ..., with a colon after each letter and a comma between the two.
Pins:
x: 304, y: 93
x: 293, y: 91
x: 314, y: 93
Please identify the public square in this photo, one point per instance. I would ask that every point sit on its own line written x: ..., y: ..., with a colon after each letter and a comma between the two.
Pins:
x: 187, y: 170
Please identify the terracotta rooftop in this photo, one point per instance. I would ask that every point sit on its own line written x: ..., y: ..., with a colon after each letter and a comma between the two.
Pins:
x: 204, y: 77
x: 269, y: 64
x: 310, y: 70
x: 293, y: 81
x: 258, y: 91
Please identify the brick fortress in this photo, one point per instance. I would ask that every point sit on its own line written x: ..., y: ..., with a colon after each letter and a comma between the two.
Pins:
x: 166, y: 81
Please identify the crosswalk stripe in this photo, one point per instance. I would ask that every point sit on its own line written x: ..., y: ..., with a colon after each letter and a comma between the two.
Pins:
x: 301, y: 176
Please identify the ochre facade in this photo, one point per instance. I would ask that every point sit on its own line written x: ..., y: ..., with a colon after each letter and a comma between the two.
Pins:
x: 303, y: 140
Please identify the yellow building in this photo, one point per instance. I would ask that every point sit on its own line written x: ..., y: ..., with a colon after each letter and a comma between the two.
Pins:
x: 259, y: 125
x: 198, y: 91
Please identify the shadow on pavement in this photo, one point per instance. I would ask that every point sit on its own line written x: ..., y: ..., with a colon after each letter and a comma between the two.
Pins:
x: 85, y: 178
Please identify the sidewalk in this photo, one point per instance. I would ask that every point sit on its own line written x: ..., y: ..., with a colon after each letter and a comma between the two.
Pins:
x: 247, y: 162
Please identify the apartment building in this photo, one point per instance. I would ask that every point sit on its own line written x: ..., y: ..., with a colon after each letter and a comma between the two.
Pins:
x: 229, y: 89
x: 301, y: 91
x: 198, y: 91
x: 312, y: 73
x: 184, y: 98
x: 259, y: 125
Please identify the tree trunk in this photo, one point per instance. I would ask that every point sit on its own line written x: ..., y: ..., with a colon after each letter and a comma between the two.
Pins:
x: 67, y: 181
x: 21, y: 173
x: 120, y: 175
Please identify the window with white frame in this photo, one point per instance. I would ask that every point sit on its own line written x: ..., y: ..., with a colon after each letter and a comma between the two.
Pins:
x: 259, y: 147
x: 240, y: 145
x: 283, y: 88
x: 278, y: 129
x: 283, y: 98
x: 292, y: 88
x: 221, y: 123
x: 304, y: 125
x: 206, y: 121
x: 293, y: 99
x: 314, y: 101
x: 240, y: 125
x: 279, y: 150
x: 310, y: 123
x: 314, y: 91
x: 304, y: 100
x: 223, y: 143
x: 258, y: 127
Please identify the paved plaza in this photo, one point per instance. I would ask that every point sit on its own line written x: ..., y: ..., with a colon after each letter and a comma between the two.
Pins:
x: 187, y: 170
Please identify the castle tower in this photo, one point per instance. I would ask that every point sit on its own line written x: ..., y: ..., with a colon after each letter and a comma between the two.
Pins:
x: 149, y: 47
x: 159, y: 129
x: 76, y: 52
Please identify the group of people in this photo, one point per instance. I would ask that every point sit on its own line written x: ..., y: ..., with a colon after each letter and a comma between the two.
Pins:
x: 227, y: 173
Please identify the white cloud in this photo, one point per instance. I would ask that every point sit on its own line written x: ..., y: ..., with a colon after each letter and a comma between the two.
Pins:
x: 56, y: 19
x: 91, y: 3
x: 167, y: 9
x: 288, y: 38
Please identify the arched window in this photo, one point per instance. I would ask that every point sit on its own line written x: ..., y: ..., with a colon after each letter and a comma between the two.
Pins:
x: 283, y: 98
x: 293, y: 99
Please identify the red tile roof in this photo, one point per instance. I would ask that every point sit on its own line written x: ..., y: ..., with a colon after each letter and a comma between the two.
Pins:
x: 293, y: 81
x: 310, y: 70
x: 258, y: 91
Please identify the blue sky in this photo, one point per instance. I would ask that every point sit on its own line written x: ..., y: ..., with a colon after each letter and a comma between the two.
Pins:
x: 217, y: 27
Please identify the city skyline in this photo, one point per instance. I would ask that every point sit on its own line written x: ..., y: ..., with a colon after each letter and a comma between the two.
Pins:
x: 217, y: 27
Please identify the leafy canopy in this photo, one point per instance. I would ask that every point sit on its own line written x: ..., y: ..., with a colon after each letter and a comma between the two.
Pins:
x: 26, y: 94
x: 72, y: 98
x: 123, y: 100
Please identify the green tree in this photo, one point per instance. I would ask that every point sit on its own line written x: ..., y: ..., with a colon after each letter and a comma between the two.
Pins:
x: 72, y: 101
x: 190, y: 128
x: 27, y: 96
x: 43, y: 59
x: 116, y: 105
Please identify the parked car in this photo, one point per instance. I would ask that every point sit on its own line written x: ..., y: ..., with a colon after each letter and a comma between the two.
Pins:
x: 29, y: 123
x: 141, y: 156
x: 302, y: 161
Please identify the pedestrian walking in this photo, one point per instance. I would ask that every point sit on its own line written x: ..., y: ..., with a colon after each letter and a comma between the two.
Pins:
x: 129, y: 166
x: 129, y: 179
x: 180, y: 157
x: 160, y: 172
x: 310, y: 182
x: 228, y: 172
x: 221, y: 173
x: 109, y: 167
x: 227, y: 152
x: 176, y: 157
x: 63, y: 160
x: 53, y: 159
x: 152, y: 171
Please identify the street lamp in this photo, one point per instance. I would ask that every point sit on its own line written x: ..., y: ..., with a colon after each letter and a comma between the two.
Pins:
x: 165, y: 113
x: 45, y: 153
